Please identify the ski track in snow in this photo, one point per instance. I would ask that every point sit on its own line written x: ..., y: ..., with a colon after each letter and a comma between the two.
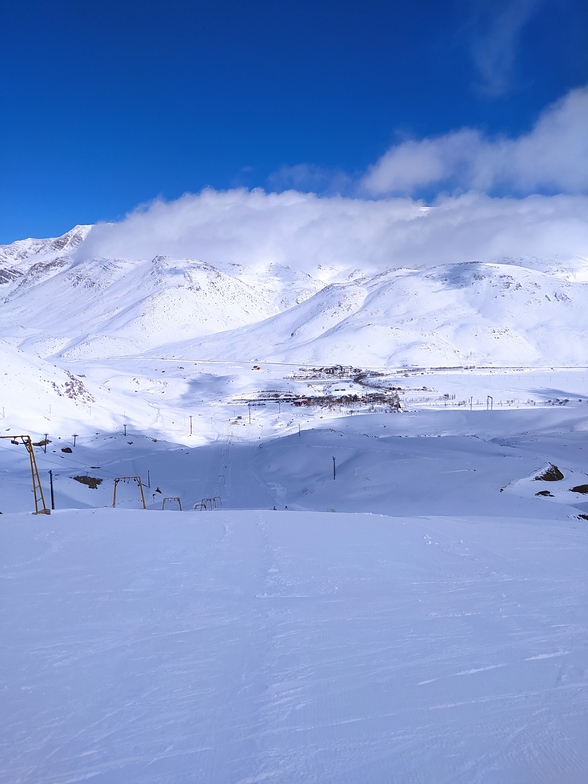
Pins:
x: 291, y: 647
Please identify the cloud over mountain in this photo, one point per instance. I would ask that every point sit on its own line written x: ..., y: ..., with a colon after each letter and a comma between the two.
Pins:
x: 333, y: 235
x: 496, y: 197
x: 551, y: 158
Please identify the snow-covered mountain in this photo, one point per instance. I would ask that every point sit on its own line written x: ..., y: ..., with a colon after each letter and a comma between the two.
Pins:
x: 25, y: 253
x: 58, y: 303
x: 108, y: 307
x: 452, y: 314
x: 442, y: 548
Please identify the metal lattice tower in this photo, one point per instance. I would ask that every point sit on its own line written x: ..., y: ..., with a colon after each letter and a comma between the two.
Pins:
x: 40, y: 506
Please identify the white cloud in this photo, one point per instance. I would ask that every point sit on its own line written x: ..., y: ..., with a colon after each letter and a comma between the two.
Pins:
x: 551, y: 158
x: 498, y: 25
x: 256, y: 228
x: 253, y: 227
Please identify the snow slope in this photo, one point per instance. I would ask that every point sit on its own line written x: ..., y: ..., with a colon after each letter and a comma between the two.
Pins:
x: 111, y: 307
x: 287, y: 647
x: 422, y: 463
x: 465, y: 313
x: 22, y: 255
x: 377, y: 596
x: 517, y: 312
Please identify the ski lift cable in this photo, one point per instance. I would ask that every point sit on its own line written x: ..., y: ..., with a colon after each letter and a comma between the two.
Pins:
x: 53, y: 461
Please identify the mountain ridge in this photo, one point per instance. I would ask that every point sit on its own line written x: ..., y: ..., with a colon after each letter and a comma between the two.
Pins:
x: 61, y: 305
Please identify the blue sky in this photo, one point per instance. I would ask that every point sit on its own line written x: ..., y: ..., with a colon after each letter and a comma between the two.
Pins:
x: 107, y: 105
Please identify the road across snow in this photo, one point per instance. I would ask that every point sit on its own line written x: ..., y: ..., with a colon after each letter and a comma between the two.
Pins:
x: 292, y: 647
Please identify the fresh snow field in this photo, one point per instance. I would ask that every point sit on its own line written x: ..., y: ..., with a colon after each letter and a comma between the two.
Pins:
x: 442, y: 637
x: 377, y: 596
x: 289, y: 646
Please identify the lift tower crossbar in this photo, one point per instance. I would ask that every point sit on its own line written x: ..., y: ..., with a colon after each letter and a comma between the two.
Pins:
x: 136, y: 479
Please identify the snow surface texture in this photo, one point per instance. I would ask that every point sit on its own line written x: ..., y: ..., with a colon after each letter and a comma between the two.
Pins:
x: 289, y: 647
x: 377, y: 596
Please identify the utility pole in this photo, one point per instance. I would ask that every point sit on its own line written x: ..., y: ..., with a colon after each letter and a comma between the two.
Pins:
x: 190, y: 424
x: 45, y: 444
x: 51, y: 488
x: 125, y: 429
x: 75, y: 435
x: 334, y: 469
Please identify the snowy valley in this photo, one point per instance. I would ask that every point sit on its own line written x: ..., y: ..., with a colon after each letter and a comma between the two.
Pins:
x: 376, y: 574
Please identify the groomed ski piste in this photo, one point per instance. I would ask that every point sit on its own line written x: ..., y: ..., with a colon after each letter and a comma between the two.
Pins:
x: 376, y: 596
